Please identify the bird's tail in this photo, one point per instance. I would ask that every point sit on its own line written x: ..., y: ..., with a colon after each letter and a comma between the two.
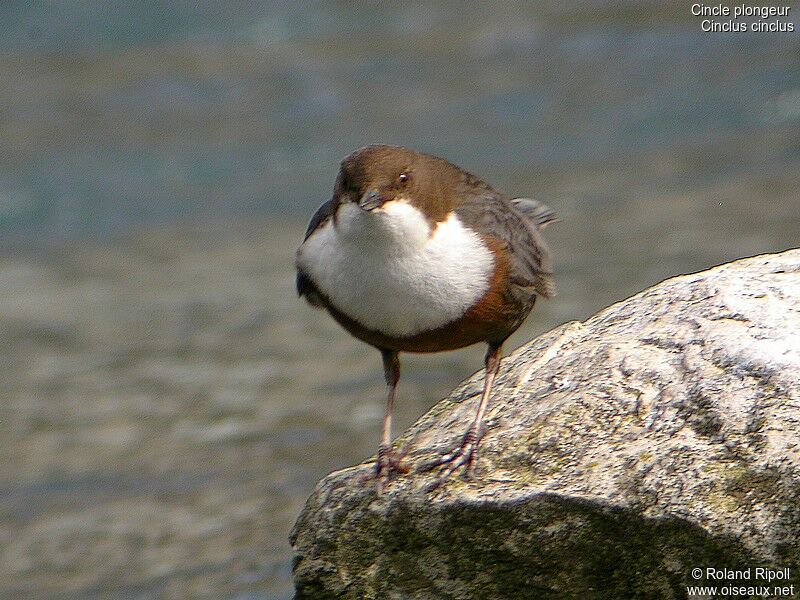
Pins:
x: 538, y: 212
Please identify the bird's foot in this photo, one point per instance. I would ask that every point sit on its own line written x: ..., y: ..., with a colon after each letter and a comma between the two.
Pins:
x: 466, y: 455
x: 389, y: 462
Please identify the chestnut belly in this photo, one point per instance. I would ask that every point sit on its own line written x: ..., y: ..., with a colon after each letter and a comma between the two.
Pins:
x: 481, y: 323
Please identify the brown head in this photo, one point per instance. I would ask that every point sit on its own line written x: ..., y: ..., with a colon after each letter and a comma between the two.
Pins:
x: 377, y: 174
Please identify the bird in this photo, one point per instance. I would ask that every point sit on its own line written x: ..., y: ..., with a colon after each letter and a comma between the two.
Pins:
x: 414, y: 254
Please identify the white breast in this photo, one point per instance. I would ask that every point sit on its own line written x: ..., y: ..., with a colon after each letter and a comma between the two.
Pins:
x: 386, y: 270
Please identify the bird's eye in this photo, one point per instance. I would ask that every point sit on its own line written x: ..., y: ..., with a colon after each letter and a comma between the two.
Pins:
x: 404, y: 177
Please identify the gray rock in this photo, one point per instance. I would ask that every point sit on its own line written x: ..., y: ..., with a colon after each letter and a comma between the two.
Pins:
x: 661, y: 435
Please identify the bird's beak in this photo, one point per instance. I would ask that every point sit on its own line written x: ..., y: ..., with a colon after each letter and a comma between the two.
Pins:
x: 371, y: 200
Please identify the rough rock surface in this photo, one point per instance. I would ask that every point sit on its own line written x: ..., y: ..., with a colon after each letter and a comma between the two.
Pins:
x: 659, y: 436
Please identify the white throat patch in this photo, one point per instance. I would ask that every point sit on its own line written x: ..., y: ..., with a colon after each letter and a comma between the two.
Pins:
x: 389, y: 272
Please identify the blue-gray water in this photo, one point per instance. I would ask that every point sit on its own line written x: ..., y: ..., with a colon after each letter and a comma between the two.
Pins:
x: 168, y: 404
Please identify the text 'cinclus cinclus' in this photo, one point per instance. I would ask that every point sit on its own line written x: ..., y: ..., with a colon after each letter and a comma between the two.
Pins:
x: 414, y: 254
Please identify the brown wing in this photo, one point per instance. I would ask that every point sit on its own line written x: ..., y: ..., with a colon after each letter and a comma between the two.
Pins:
x: 324, y: 212
x: 491, y: 214
x: 305, y: 287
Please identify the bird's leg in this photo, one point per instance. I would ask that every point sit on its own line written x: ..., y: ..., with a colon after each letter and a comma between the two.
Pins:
x: 467, y: 453
x: 388, y: 460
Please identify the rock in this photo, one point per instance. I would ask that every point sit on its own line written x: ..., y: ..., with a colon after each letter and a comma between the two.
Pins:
x: 661, y: 435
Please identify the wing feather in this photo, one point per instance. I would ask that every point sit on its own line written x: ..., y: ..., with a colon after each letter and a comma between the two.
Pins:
x: 491, y: 214
x: 305, y: 287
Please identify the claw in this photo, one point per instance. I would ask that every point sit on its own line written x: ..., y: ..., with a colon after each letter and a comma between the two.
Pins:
x: 465, y: 454
x: 389, y: 462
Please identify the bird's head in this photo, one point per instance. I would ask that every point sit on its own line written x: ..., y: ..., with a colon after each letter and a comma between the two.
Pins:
x: 376, y: 176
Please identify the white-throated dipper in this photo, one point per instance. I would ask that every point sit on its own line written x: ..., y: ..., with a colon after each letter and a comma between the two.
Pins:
x: 414, y: 254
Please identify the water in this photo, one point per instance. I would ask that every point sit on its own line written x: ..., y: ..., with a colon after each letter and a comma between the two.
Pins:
x: 168, y: 404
